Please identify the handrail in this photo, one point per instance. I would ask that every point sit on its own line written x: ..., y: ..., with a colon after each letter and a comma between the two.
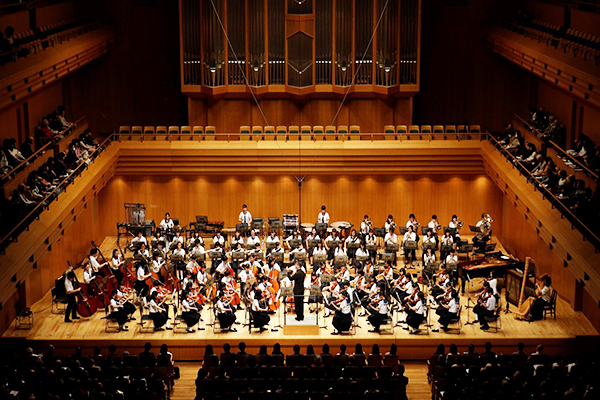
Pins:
x: 27, y: 160
x: 559, y: 149
x: 42, y: 204
x: 588, y: 234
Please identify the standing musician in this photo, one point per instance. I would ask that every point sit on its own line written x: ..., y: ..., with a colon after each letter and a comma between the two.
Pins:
x: 272, y: 238
x: 167, y: 222
x: 331, y: 243
x: 225, y: 313
x: 314, y: 236
x: 298, y: 276
x: 389, y: 223
x: 379, y: 306
x: 253, y: 240
x: 190, y: 313
x: 117, y: 311
x: 88, y: 277
x: 410, y: 235
x: 447, y: 240
x: 245, y: 217
x: 94, y: 262
x: 158, y: 313
x: 455, y: 223
x: 323, y: 216
x: 342, y: 320
x: 485, y: 227
x: 140, y: 284
x: 71, y: 299
x: 415, y: 317
x: 360, y: 252
x: 486, y: 306
x: 447, y: 310
x: 366, y: 226
x: 391, y: 238
x: 295, y: 236
x: 434, y: 224
x: 260, y: 312
x: 351, y: 240
x: 116, y: 263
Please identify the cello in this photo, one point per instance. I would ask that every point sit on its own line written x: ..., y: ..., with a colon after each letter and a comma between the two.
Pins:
x: 86, y: 304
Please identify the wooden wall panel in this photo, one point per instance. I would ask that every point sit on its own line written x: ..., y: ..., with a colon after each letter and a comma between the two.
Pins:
x: 546, y: 12
x: 557, y: 102
x: 18, y: 20
x: 585, y: 21
x: 54, y: 13
x: 9, y: 122
x: 43, y: 102
x: 347, y: 198
x: 591, y: 123
x: 591, y: 309
x: 371, y: 114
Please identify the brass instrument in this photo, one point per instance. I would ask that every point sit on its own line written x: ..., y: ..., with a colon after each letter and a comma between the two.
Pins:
x: 459, y: 223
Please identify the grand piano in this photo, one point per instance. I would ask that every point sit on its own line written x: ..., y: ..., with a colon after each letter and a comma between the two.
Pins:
x: 481, y: 267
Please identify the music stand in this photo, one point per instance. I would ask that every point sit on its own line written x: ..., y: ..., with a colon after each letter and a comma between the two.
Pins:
x: 294, y: 243
x: 387, y: 257
x: 300, y: 255
x: 490, y: 247
x: 446, y: 248
x: 354, y: 245
x: 258, y: 255
x: 393, y: 247
x: 451, y: 267
x: 315, y: 290
x: 379, y: 232
x: 238, y: 255
x: 321, y: 227
x: 242, y: 228
x: 340, y: 260
x: 250, y: 246
x: 403, y: 230
x: 474, y: 229
x: 175, y: 221
x: 277, y: 256
x: 362, y: 258
x: 286, y: 291
x: 274, y: 224
x: 326, y: 278
x: 319, y: 258
x: 282, y: 275
x: 424, y: 230
x: 313, y: 243
x: 201, y: 257
x: 257, y: 223
x: 465, y: 248
x: 372, y: 247
x: 271, y: 245
x: 428, y: 245
x: 451, y: 230
x: 214, y: 254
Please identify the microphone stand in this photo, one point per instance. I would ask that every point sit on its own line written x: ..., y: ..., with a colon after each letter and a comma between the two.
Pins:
x: 468, y: 307
x: 507, y: 302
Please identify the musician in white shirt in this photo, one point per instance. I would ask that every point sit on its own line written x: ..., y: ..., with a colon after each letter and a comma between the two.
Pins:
x: 428, y: 257
x: 167, y: 222
x: 138, y: 240
x: 313, y: 236
x: 434, y: 225
x: 177, y: 239
x: 351, y: 240
x: 245, y: 275
x: 272, y: 238
x: 452, y: 258
x: 378, y: 318
x: 389, y: 223
x: 456, y: 225
x: 143, y: 251
x: 245, y: 217
x: 331, y: 243
x: 294, y: 236
x: 430, y: 238
x: 218, y: 238
x: 410, y: 235
x: 360, y: 252
x: 365, y: 226
x: 447, y: 312
x: 446, y: 240
x: 412, y: 221
x: 415, y: 319
x: 323, y: 216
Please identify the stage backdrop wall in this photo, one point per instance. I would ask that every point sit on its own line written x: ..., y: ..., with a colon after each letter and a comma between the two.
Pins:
x: 347, y: 198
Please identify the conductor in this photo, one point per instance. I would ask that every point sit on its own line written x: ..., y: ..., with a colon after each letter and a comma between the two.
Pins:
x: 298, y: 277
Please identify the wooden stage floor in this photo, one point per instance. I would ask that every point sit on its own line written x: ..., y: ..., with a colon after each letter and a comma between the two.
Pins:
x: 571, y: 331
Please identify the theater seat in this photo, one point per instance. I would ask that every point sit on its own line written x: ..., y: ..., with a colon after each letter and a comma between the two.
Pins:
x: 161, y: 131
x: 281, y: 133
x: 342, y: 132
x: 149, y: 133
x: 426, y: 130
x: 306, y: 132
x: 319, y: 132
x: 210, y: 133
x: 475, y: 129
x: 354, y: 132
x: 269, y: 133
x: 196, y: 133
x: 124, y: 132
x: 245, y: 132
x: 257, y: 132
x: 137, y: 131
x: 414, y: 132
x: 401, y: 132
x: 438, y: 132
x: 293, y: 132
x: 174, y: 132
x: 331, y: 131
x: 389, y: 132
x: 450, y: 132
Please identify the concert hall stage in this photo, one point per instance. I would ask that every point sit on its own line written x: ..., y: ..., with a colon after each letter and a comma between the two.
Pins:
x: 571, y: 331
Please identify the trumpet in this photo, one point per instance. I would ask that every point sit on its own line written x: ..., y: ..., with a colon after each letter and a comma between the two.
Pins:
x: 369, y: 223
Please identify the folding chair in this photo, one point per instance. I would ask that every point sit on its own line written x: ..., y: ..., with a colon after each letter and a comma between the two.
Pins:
x: 331, y: 131
x: 456, y: 322
x: 197, y: 131
x: 161, y: 130
x: 426, y: 130
x: 413, y: 130
x: 342, y: 132
x: 354, y: 133
x: 450, y: 130
x: 137, y: 130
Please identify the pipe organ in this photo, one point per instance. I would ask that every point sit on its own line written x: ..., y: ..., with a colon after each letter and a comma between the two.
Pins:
x: 300, y: 48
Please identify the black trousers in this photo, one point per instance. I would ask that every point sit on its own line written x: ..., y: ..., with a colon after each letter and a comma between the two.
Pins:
x: 299, y: 306
x: 71, y: 307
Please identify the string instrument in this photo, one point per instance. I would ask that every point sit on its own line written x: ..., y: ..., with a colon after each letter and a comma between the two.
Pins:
x: 86, y: 303
x: 230, y: 291
x: 484, y: 295
x: 211, y: 292
x: 128, y: 275
x: 274, y: 302
x: 274, y: 278
x: 413, y: 298
x: 196, y: 295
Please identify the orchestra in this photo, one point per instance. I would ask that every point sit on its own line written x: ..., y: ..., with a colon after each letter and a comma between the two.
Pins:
x: 237, y: 280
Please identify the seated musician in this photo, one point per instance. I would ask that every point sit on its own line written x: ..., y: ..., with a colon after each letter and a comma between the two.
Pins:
x: 116, y: 263
x: 218, y: 238
x: 314, y: 300
x: 190, y: 313
x: 272, y: 269
x: 217, y: 260
x: 253, y: 240
x: 456, y: 224
x: 371, y: 290
x: 331, y: 243
x: 117, y: 312
x: 272, y: 238
x: 430, y: 238
x: 320, y: 250
x: 416, y: 317
x: 143, y: 251
x: 123, y: 299
x: 443, y: 281
x: 404, y: 287
x: 359, y: 284
x: 343, y: 275
x: 483, y: 237
x: 312, y: 237
x: 371, y: 239
x: 278, y: 248
x: 392, y: 239
x: 342, y: 320
x: 197, y: 249
x: 225, y: 313
x: 330, y: 294
x: 368, y: 268
x: 192, y: 266
x: 323, y: 216
x: 360, y: 252
x: 158, y: 313
x: 493, y: 281
x: 167, y: 222
x: 339, y: 250
x: 245, y: 275
x: 446, y: 240
x: 294, y: 236
x: 96, y: 266
x: 260, y: 312
x: 137, y: 241
x: 177, y: 239
x: 187, y: 283
x: 237, y: 250
x: 323, y: 269
x: 486, y: 306
x: 389, y: 223
x: 380, y: 311
x: 447, y: 311
x: 194, y: 240
x: 410, y: 235
x: 428, y: 257
x: 434, y: 225
x: 155, y: 267
x: 202, y: 278
x: 365, y: 226
x: 353, y: 239
x: 532, y: 309
x: 236, y: 240
x: 300, y: 250
x: 142, y: 273
x: 387, y: 273
x: 257, y: 254
x: 451, y: 258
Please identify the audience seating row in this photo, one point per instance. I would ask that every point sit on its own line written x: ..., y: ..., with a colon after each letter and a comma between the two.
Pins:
x: 295, y: 132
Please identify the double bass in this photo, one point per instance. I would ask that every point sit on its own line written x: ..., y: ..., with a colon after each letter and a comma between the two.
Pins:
x: 86, y: 303
x: 107, y: 283
x: 128, y: 275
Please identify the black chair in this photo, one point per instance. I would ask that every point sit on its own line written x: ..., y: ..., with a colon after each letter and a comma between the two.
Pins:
x: 59, y: 296
x: 24, y: 317
x: 550, y: 308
